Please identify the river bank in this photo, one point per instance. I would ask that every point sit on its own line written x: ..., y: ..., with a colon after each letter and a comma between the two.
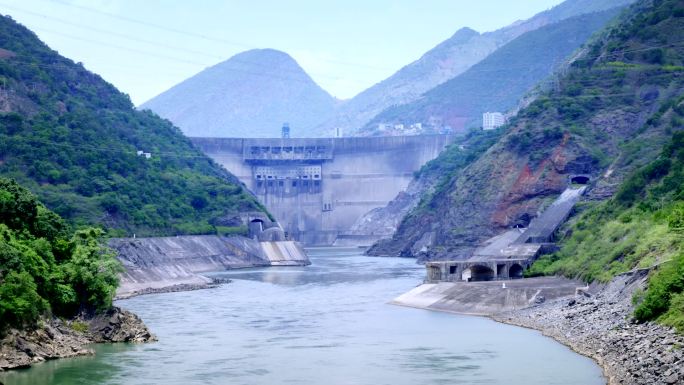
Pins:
x: 595, y: 321
x: 56, y: 338
x: 329, y: 321
x: 600, y: 327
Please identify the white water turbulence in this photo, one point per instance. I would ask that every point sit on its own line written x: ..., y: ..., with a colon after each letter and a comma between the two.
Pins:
x: 328, y: 323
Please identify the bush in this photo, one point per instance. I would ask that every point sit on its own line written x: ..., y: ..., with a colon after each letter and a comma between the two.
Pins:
x: 44, y: 267
x: 664, y: 295
x: 20, y: 304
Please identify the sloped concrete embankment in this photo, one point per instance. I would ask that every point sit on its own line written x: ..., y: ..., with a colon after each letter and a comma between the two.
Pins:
x: 172, y: 263
x: 487, y: 298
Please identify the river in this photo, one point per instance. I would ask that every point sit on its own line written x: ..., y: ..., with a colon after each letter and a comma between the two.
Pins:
x: 328, y: 323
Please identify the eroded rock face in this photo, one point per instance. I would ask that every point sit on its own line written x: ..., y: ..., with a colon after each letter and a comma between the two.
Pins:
x: 119, y: 325
x: 55, y: 338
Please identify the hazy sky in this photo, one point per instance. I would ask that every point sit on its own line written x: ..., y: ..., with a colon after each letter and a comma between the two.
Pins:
x: 146, y: 46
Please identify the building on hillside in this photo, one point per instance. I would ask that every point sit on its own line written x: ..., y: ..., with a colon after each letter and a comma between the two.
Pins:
x: 492, y: 120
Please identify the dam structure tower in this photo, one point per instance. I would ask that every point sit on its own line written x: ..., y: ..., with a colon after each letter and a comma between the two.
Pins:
x: 317, y: 188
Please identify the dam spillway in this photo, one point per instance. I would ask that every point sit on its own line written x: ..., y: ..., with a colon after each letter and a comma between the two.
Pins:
x: 317, y: 188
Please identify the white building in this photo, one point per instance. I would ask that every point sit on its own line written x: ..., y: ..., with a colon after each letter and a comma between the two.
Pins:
x: 492, y: 120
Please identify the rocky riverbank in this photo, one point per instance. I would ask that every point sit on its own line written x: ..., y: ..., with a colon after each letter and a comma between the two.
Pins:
x: 210, y: 284
x: 56, y: 338
x: 600, y: 326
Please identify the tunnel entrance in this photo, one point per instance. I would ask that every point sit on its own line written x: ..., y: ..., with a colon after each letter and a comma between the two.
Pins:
x: 481, y: 273
x: 579, y: 179
x: 256, y: 226
x: 515, y: 271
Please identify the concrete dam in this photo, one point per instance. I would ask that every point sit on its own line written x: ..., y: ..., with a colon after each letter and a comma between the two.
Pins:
x: 318, y: 188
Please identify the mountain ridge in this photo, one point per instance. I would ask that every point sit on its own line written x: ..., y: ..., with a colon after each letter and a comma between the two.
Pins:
x: 439, y: 64
x: 603, y: 118
x: 249, y: 95
x: 500, y: 80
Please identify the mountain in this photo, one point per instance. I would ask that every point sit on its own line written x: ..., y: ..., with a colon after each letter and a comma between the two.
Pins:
x: 80, y: 145
x: 498, y: 82
x: 610, y: 113
x: 249, y: 95
x: 447, y: 60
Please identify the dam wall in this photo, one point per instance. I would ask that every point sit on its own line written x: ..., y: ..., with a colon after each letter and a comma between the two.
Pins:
x: 318, y: 188
x: 163, y: 262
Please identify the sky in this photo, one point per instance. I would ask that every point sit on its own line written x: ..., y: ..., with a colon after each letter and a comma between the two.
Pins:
x: 145, y: 47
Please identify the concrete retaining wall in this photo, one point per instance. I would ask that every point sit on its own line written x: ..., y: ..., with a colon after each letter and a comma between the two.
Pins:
x: 162, y: 262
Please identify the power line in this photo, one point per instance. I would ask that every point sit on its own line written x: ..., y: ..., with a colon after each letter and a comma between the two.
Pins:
x: 100, y: 43
x: 190, y: 33
x: 122, y: 35
x: 140, y: 40
x: 469, y: 71
x: 541, y: 83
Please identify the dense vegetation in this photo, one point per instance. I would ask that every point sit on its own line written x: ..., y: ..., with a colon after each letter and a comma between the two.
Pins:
x: 641, y: 226
x: 448, y: 165
x: 45, y: 267
x: 73, y: 139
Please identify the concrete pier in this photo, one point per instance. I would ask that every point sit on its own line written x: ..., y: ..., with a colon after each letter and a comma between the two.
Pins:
x: 487, y: 298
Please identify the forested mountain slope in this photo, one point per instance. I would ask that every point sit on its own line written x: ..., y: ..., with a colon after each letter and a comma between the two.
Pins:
x: 608, y: 115
x: 73, y: 139
x: 499, y: 81
x: 447, y: 60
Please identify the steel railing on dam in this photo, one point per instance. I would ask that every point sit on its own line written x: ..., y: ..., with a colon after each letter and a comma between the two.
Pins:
x: 357, y: 174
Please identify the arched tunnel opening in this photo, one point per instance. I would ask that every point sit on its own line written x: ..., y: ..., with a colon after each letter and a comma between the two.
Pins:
x: 256, y: 226
x: 579, y: 179
x: 515, y: 271
x: 481, y: 273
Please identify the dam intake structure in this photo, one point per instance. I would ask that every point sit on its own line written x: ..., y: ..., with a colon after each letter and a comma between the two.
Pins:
x: 508, y: 255
x: 317, y: 188
x: 490, y: 281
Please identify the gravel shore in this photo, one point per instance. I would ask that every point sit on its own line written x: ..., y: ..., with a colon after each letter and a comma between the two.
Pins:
x: 600, y: 326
